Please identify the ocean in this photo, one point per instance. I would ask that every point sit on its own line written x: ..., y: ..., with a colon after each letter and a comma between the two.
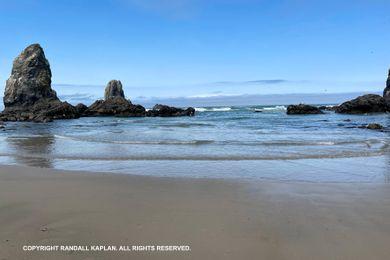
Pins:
x: 245, y: 142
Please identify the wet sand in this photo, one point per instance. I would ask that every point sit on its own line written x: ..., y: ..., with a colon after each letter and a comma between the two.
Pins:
x: 218, y: 219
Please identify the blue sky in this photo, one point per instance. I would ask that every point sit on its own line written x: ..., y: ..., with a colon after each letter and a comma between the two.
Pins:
x: 200, y: 48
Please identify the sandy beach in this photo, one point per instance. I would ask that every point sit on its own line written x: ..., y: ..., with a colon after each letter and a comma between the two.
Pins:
x: 217, y: 219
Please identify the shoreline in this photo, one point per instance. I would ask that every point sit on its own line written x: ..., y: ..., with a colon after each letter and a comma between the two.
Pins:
x: 373, y: 169
x: 218, y: 219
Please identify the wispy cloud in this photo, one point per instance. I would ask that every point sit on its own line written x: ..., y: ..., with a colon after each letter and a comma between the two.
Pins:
x: 254, y: 82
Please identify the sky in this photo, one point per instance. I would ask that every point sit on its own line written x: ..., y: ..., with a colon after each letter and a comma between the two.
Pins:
x: 202, y: 48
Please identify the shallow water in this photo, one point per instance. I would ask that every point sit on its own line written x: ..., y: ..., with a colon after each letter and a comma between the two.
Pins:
x: 227, y: 142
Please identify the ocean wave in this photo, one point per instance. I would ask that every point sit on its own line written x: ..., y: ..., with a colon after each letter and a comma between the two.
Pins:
x: 367, y: 143
x: 213, y: 109
x: 160, y: 142
x: 370, y: 143
x: 291, y: 156
x: 186, y: 125
x: 274, y: 108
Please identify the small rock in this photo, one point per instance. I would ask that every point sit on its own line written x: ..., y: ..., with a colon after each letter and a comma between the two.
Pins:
x: 374, y: 126
x: 44, y: 229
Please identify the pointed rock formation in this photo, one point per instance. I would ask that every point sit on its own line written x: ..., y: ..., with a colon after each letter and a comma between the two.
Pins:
x: 28, y: 94
x: 114, y: 89
x: 114, y: 103
x: 386, y: 92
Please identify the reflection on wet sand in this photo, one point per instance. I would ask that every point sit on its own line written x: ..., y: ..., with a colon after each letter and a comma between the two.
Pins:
x: 33, y: 150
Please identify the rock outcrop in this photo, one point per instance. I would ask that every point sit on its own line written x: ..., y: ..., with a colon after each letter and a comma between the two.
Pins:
x: 114, y: 103
x: 386, y: 92
x: 303, y: 109
x: 28, y: 94
x: 114, y: 89
x: 167, y: 111
x: 374, y: 126
x: 364, y: 104
x: 81, y: 108
x: 114, y: 106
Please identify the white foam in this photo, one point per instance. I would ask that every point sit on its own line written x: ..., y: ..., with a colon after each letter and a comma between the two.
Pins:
x: 275, y: 108
x: 213, y: 109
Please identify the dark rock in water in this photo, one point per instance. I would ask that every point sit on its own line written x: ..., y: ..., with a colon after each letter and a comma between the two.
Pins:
x: 364, y: 104
x: 167, y: 111
x: 28, y: 95
x: 41, y: 112
x: 303, y: 109
x: 81, y: 108
x: 114, y: 89
x: 373, y: 126
x: 114, y: 106
x: 386, y: 92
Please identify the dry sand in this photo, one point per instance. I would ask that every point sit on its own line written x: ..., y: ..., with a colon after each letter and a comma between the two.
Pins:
x: 218, y: 219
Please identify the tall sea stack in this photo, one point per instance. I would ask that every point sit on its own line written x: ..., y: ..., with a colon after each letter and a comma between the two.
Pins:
x: 114, y: 89
x: 386, y: 92
x: 28, y: 95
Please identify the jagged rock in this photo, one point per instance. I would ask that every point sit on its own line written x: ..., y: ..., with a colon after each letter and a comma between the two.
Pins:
x: 364, y: 104
x: 81, y: 108
x: 386, y: 92
x: 114, y: 89
x: 28, y: 95
x: 303, y: 109
x: 167, y: 111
